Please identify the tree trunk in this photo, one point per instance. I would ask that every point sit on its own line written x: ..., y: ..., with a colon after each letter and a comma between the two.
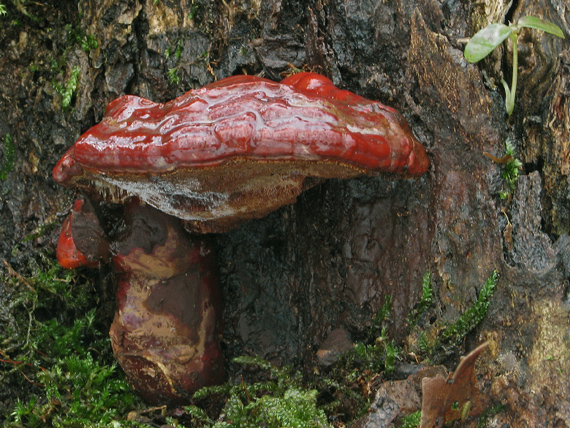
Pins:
x: 330, y: 260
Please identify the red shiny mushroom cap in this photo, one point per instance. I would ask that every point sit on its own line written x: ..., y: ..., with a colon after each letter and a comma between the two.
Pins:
x: 238, y: 148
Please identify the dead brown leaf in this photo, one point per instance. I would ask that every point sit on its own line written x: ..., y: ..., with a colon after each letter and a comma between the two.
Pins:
x: 445, y: 400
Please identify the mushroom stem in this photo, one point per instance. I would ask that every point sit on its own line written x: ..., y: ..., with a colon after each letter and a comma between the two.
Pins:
x: 166, y: 330
x: 165, y: 334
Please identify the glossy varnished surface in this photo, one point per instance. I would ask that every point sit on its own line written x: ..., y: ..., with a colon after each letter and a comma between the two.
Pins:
x: 238, y: 148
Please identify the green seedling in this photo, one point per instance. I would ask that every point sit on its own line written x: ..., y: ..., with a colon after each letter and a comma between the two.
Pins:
x: 490, y: 37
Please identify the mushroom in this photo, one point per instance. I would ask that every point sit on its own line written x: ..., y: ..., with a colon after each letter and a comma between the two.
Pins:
x: 213, y: 158
x: 238, y: 148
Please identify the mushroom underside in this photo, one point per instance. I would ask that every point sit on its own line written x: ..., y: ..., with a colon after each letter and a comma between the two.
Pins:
x: 218, y: 199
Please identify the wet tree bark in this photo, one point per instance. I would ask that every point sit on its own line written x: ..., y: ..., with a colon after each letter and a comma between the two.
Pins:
x: 330, y: 260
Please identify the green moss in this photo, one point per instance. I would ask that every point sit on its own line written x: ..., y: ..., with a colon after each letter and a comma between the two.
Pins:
x: 391, y: 354
x: 425, y: 301
x: 489, y: 413
x: 87, y: 41
x: 9, y: 157
x: 64, y: 370
x: 173, y: 75
x: 454, y: 333
x: 59, y: 65
x: 381, y: 316
x: 281, y: 401
x: 79, y: 391
x: 426, y: 339
x: 42, y: 230
x: 511, y: 170
x: 423, y: 342
x: 68, y: 91
x: 193, y: 11
x: 173, y: 55
x: 377, y: 353
x: 411, y: 421
x: 70, y: 379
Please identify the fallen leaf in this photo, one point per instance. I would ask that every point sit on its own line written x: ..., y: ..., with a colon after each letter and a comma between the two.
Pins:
x: 445, y: 400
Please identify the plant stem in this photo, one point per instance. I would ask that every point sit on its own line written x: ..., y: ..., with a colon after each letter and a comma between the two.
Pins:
x: 510, y: 99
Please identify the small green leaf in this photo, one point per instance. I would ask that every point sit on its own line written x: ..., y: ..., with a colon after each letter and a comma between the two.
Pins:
x: 509, y: 100
x: 540, y: 24
x: 483, y: 43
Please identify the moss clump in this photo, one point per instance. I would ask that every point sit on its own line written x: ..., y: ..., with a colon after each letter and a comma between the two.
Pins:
x: 377, y: 353
x: 455, y: 333
x: 411, y: 421
x: 511, y: 170
x: 78, y: 389
x: 426, y: 339
x: 69, y: 89
x: 425, y: 301
x: 87, y: 41
x: 281, y: 401
x: 61, y: 373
